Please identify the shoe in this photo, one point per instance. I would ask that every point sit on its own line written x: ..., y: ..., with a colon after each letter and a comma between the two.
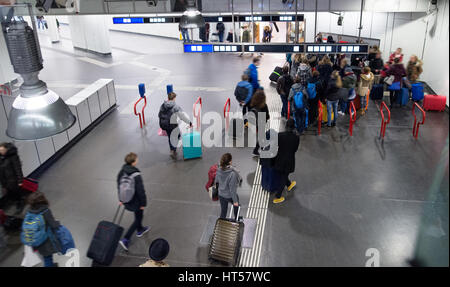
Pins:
x: 173, y: 154
x: 333, y: 124
x: 255, y: 154
x: 145, y: 230
x: 278, y: 200
x: 341, y: 113
x: 293, y: 184
x: 124, y: 243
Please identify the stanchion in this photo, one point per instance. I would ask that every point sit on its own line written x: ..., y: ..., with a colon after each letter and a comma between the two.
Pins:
x: 384, y: 122
x: 417, y: 124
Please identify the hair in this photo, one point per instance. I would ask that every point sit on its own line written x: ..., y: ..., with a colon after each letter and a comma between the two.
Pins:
x: 297, y: 79
x: 5, y: 145
x: 225, y: 160
x: 343, y: 60
x: 258, y: 99
x: 244, y: 77
x: 316, y: 73
x: 414, y: 56
x: 335, y: 75
x: 37, y: 199
x: 325, y: 60
x: 298, y: 58
x: 397, y: 60
x: 256, y: 60
x: 130, y: 158
x: 366, y: 70
x: 400, y: 49
x: 171, y: 96
x: 286, y: 69
x: 305, y: 60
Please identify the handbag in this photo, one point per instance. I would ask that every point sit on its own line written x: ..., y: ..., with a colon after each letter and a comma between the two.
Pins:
x: 30, y: 185
x: 162, y: 133
x: 213, y: 192
x: 396, y: 86
x: 389, y: 80
x: 30, y: 258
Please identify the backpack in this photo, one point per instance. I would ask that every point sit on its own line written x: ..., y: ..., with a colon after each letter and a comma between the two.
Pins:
x: 241, y: 93
x: 126, y: 187
x: 304, y: 75
x: 164, y: 118
x: 284, y: 84
x: 311, y: 89
x: 34, y: 231
x: 211, y: 176
x: 298, y: 100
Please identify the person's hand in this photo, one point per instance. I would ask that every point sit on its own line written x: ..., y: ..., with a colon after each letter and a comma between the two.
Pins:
x: 120, y: 203
x: 236, y: 204
x: 142, y: 208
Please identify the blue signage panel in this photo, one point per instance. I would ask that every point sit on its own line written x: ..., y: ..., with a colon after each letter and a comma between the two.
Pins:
x: 193, y: 48
x: 131, y: 20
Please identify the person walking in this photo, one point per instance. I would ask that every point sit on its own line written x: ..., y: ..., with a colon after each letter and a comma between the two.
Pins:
x: 364, y: 85
x: 11, y: 176
x: 169, y: 123
x: 252, y: 72
x: 220, y: 27
x: 284, y: 162
x: 333, y: 95
x: 184, y: 34
x: 243, y: 93
x: 228, y: 179
x: 130, y: 177
x: 284, y: 85
x: 259, y: 108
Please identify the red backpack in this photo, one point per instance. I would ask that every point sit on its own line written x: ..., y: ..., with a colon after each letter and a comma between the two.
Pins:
x: 211, y: 176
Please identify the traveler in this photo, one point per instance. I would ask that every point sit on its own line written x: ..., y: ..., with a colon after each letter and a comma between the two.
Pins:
x: 284, y: 85
x: 243, y: 94
x: 373, y: 51
x: 184, y: 34
x: 228, y: 179
x: 169, y: 124
x: 330, y: 39
x: 11, y: 176
x: 246, y: 37
x: 129, y: 176
x: 295, y: 64
x: 396, y: 55
x: 39, y: 207
x: 259, y: 108
x: 414, y: 69
x: 325, y: 69
x: 220, y: 27
x: 365, y: 83
x: 314, y: 88
x: 267, y: 35
x: 343, y: 65
x: 398, y: 71
x: 252, y: 72
x: 158, y: 251
x: 348, y: 82
x: 304, y: 71
x: 318, y: 38
x: 284, y: 163
x: 299, y: 103
x: 376, y: 65
x: 334, y: 94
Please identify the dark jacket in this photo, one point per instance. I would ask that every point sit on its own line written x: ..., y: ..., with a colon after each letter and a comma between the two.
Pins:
x: 256, y: 112
x: 140, y: 199
x: 48, y: 247
x: 284, y: 85
x: 325, y: 71
x: 398, y: 70
x: 376, y: 64
x: 334, y: 93
x: 228, y: 180
x: 10, y: 169
x: 288, y: 143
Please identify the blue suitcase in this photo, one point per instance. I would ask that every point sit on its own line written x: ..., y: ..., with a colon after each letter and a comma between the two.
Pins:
x: 417, y: 92
x: 192, y: 145
x: 403, y: 96
x: 377, y: 92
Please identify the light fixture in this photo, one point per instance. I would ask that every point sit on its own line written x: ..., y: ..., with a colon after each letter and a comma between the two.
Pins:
x: 36, y: 112
x: 192, y: 18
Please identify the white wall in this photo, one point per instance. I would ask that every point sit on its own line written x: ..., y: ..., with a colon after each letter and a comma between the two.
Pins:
x: 90, y: 32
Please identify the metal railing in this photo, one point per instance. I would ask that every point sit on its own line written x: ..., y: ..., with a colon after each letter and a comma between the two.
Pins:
x: 384, y: 122
x: 141, y: 114
x: 352, y: 111
x: 416, y: 123
x: 226, y: 113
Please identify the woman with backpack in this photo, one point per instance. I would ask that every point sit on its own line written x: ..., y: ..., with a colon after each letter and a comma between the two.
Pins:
x: 314, y: 89
x: 228, y: 179
x: 259, y: 107
x: 299, y: 103
x: 398, y: 71
x: 334, y: 94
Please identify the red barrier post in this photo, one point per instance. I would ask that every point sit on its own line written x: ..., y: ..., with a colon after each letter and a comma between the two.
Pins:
x: 141, y: 114
x: 417, y: 124
x: 289, y: 110
x: 226, y: 113
x: 197, y: 115
x: 319, y: 121
x: 352, y: 117
x: 384, y: 123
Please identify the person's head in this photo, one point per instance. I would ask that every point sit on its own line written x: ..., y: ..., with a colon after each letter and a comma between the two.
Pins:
x: 330, y: 38
x: 378, y: 55
x: 290, y: 124
x: 244, y: 77
x: 297, y: 58
x: 37, y: 199
x: 366, y: 70
x: 335, y: 75
x: 305, y: 61
x: 413, y: 59
x: 3, y: 148
x: 226, y: 160
x: 398, y: 51
x: 131, y: 159
x: 316, y: 74
x: 158, y: 250
x: 297, y: 79
x: 256, y: 61
x: 397, y: 61
x: 258, y: 99
x: 326, y: 60
x: 286, y: 70
x: 171, y: 96
x: 343, y: 62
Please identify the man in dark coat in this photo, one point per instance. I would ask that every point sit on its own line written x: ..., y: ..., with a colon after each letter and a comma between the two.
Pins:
x: 11, y: 176
x: 284, y: 163
x: 139, y: 201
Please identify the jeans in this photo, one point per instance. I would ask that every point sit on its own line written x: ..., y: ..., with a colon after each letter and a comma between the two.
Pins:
x: 136, y: 225
x: 169, y: 132
x: 224, y: 207
x: 221, y: 36
x: 48, y: 261
x: 185, y: 34
x: 300, y: 119
x: 363, y: 102
x: 343, y: 106
x: 332, y: 106
x: 284, y: 178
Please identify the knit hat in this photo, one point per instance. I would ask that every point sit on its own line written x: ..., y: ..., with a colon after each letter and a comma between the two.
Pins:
x: 159, y: 249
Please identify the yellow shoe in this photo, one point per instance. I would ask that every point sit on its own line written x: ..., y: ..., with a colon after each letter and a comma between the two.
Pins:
x: 293, y: 184
x: 278, y: 200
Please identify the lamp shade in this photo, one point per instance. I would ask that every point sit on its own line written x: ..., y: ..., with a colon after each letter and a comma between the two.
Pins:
x: 192, y: 19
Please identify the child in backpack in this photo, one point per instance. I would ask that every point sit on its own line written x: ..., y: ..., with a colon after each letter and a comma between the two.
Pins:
x: 365, y: 83
x: 39, y: 206
x: 299, y: 105
x: 138, y: 201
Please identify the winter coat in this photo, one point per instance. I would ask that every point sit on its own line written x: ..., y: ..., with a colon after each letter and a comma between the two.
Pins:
x: 228, y: 180
x: 48, y: 247
x: 256, y: 111
x: 413, y: 70
x: 376, y: 64
x: 325, y: 71
x: 365, y: 83
x: 254, y: 76
x: 349, y: 79
x: 139, y: 199
x: 398, y: 71
x: 294, y: 90
x: 249, y: 87
x: 10, y: 169
x: 304, y: 72
x: 334, y: 93
x: 284, y: 85
x: 168, y: 108
x: 288, y: 143
x: 393, y: 56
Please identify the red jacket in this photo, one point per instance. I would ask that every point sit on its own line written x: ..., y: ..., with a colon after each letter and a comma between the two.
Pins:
x: 393, y: 56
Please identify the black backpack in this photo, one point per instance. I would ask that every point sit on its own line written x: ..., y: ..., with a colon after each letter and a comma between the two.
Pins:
x: 164, y: 116
x: 220, y: 27
x: 241, y: 93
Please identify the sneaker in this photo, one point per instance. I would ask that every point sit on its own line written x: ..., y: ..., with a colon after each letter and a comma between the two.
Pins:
x: 173, y: 154
x: 278, y: 200
x: 341, y: 113
x: 124, y: 243
x: 145, y: 230
x: 293, y: 184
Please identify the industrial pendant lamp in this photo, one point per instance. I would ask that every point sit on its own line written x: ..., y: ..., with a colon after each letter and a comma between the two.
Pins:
x: 37, y: 112
x: 192, y: 18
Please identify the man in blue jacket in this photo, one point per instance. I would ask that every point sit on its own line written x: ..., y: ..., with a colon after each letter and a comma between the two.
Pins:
x: 252, y: 72
x: 243, y: 94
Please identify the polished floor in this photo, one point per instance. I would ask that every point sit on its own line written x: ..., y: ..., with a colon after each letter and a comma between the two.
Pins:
x: 353, y: 193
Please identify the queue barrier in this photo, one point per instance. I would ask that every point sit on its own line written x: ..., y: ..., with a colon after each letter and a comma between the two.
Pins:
x: 226, y: 113
x: 416, y: 123
x: 384, y: 122
x: 320, y: 119
x: 352, y: 111
x: 141, y: 114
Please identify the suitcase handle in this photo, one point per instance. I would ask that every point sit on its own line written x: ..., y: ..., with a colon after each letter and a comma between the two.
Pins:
x: 231, y: 213
x: 117, y: 213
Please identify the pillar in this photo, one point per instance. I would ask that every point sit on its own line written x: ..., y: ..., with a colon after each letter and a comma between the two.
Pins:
x: 52, y: 28
x: 90, y: 33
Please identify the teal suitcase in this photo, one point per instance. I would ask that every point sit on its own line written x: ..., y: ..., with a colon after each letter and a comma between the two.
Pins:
x: 192, y: 145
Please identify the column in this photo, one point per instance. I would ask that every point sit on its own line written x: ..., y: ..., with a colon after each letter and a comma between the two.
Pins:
x: 91, y: 33
x: 52, y: 28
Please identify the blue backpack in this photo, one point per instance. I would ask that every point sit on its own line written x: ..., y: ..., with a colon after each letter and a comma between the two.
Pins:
x: 298, y: 100
x: 65, y: 239
x: 311, y: 89
x: 34, y: 231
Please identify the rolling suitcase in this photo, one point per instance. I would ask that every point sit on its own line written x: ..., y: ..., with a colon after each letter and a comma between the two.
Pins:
x: 403, y: 96
x: 276, y: 74
x: 225, y: 245
x: 104, y: 243
x: 377, y: 92
x: 417, y: 92
x: 192, y: 145
x: 434, y: 103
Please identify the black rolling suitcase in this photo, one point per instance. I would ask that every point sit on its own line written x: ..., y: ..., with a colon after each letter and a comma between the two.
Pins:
x: 226, y: 240
x: 104, y: 243
x: 276, y: 74
x: 377, y: 92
